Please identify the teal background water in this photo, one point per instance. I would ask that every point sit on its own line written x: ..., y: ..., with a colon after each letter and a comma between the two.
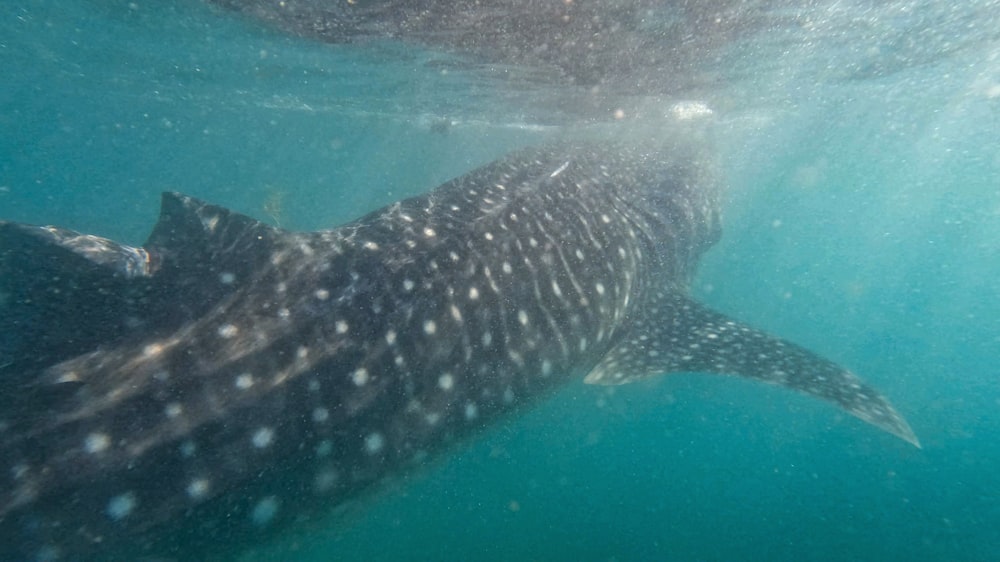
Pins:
x: 863, y: 221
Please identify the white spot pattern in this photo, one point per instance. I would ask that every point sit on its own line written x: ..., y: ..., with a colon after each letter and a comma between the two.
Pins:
x: 96, y: 443
x: 197, y: 488
x: 360, y: 376
x: 264, y: 511
x: 121, y: 506
x: 446, y: 381
x: 262, y: 438
x: 374, y: 442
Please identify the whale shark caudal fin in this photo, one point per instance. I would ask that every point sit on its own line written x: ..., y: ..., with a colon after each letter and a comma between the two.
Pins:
x: 677, y: 334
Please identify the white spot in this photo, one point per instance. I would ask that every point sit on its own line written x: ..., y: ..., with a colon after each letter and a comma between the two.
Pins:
x: 600, y: 288
x: 322, y: 294
x: 263, y: 437
x: 579, y: 255
x: 506, y: 267
x: 456, y: 313
x: 473, y: 293
x: 374, y: 443
x: 556, y: 290
x: 96, y: 443
x: 371, y: 246
x: 320, y: 415
x: 430, y: 327
x: 302, y: 352
x: 226, y: 278
x: 18, y: 471
x: 487, y: 339
x: 546, y: 368
x: 559, y: 170
x: 152, y: 350
x: 325, y: 480
x: 48, y: 553
x: 390, y: 337
x: 605, y: 219
x: 324, y: 448
x: 471, y: 411
x: 508, y: 395
x: 173, y: 409
x: 408, y: 285
x: 341, y: 327
x: 360, y: 376
x: 228, y: 331
x: 532, y: 242
x: 429, y: 232
x: 284, y: 313
x: 244, y: 381
x: 446, y: 381
x: 583, y: 344
x: 210, y: 222
x: 188, y: 449
x: 265, y: 510
x: 488, y: 236
x: 120, y: 506
x: 197, y: 488
x: 522, y: 317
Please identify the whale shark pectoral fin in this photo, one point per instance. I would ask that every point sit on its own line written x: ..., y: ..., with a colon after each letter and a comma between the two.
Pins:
x: 677, y: 334
x: 73, y: 252
x: 61, y: 293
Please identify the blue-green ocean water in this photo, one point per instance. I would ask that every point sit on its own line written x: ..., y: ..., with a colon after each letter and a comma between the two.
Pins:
x: 863, y: 221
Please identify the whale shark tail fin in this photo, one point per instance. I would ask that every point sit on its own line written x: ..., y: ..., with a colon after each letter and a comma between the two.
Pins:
x: 677, y: 334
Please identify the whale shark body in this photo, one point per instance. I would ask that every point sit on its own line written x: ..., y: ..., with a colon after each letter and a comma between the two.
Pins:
x: 626, y: 46
x: 228, y: 379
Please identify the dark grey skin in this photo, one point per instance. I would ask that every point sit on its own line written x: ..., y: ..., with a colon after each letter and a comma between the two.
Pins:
x: 623, y: 46
x: 245, y: 378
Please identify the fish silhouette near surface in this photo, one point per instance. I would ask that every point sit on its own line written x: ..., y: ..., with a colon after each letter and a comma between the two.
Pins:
x: 229, y: 379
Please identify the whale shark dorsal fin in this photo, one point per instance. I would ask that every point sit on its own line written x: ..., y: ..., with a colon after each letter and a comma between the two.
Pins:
x: 677, y: 334
x: 189, y: 226
x: 202, y: 253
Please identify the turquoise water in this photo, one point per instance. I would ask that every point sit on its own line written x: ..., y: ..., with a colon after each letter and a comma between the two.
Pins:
x: 863, y: 221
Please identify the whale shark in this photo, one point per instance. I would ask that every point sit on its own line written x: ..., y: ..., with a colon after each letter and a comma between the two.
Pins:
x: 624, y: 46
x: 229, y: 380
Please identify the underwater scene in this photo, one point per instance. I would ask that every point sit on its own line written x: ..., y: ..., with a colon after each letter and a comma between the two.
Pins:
x: 516, y: 280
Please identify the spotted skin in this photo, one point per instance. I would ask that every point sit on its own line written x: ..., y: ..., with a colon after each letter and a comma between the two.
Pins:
x: 265, y: 377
